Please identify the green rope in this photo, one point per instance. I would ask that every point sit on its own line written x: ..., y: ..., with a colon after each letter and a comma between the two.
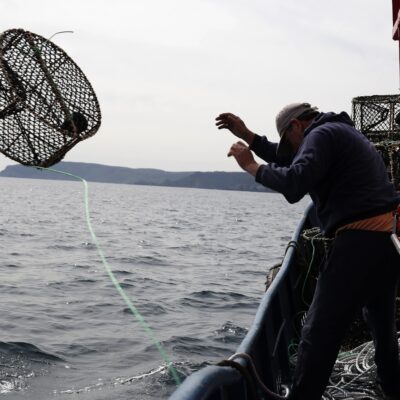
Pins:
x: 309, y: 269
x: 114, y: 280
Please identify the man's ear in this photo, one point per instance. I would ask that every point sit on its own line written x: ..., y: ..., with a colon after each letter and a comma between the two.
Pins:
x: 296, y: 123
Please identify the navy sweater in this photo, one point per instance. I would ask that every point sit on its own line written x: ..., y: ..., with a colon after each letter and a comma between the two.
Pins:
x: 337, y: 165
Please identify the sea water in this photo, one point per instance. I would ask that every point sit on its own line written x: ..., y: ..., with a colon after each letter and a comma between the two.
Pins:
x: 192, y: 261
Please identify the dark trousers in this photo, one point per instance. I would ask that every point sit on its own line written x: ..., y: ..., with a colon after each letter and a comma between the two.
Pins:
x: 360, y: 272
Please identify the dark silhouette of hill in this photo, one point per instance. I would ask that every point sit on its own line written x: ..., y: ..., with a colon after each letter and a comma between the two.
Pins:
x: 139, y: 176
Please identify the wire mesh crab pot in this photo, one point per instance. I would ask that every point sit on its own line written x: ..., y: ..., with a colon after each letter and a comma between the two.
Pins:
x: 378, y: 118
x: 47, y: 105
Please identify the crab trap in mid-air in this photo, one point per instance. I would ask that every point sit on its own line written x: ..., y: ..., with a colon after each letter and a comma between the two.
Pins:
x: 47, y: 105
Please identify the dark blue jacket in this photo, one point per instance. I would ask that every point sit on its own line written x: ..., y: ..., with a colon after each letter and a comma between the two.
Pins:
x: 337, y: 165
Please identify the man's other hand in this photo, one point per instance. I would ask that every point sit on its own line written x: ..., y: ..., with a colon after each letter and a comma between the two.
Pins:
x: 244, y: 157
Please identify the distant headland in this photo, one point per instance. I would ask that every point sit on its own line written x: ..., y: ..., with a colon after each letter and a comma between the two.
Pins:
x: 140, y: 176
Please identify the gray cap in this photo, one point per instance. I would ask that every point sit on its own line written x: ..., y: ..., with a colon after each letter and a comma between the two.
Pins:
x: 285, y: 117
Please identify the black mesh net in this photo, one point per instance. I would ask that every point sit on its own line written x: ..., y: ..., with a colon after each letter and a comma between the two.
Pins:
x: 378, y: 118
x: 47, y: 105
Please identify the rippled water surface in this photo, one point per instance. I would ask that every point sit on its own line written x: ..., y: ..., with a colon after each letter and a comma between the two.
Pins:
x: 193, y: 262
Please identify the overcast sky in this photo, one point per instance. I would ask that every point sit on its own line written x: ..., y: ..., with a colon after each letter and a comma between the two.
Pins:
x: 164, y: 69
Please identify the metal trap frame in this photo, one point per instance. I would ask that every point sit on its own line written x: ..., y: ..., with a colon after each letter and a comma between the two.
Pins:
x: 378, y: 118
x: 47, y: 105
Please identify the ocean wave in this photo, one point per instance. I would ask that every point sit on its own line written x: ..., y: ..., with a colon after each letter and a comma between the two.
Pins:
x: 79, y: 350
x: 195, y: 346
x: 26, y: 350
x: 154, y: 383
x: 148, y: 309
x: 62, y: 247
x: 230, y: 333
x: 11, y: 266
x: 21, y: 362
x: 219, y: 300
x: 138, y: 260
x: 10, y: 384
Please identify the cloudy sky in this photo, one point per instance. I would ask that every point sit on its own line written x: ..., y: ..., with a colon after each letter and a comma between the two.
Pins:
x: 164, y: 69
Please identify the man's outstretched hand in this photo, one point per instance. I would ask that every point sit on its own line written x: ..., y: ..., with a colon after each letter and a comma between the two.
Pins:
x: 235, y: 125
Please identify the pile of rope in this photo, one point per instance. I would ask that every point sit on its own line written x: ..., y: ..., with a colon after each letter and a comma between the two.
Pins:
x: 354, y: 375
x: 47, y: 105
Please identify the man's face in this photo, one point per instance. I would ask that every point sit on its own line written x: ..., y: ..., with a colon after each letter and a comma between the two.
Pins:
x: 295, y: 134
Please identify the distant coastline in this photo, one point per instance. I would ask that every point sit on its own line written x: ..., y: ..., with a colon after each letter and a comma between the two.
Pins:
x: 141, y: 176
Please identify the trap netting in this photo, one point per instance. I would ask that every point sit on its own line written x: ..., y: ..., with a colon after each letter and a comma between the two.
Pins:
x: 378, y: 118
x: 47, y: 105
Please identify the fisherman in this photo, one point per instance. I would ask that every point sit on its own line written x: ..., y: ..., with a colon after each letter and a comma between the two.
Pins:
x: 323, y: 155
